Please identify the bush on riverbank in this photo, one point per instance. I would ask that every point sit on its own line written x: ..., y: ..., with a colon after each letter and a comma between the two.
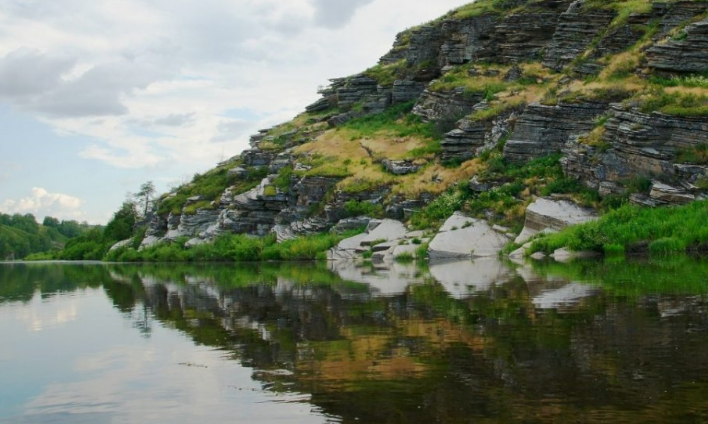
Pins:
x: 235, y: 247
x: 635, y: 229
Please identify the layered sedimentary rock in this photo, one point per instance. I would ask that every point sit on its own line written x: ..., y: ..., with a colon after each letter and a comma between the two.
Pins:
x: 521, y: 36
x: 448, y: 106
x: 472, y: 137
x: 638, y: 145
x: 542, y: 130
x: 576, y: 30
x: 686, y: 53
x: 547, y: 214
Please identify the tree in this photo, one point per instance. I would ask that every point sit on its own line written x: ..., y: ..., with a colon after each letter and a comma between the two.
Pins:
x: 147, y: 191
x: 50, y: 222
x: 121, y: 226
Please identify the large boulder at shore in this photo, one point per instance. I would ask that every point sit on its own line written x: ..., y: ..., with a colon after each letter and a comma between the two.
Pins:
x: 387, y: 230
x: 552, y: 215
x: 463, y: 237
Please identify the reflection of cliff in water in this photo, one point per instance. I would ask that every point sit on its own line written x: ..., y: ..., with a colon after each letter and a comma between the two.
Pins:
x: 525, y: 344
x: 423, y: 354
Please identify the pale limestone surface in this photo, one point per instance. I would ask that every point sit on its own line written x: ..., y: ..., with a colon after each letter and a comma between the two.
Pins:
x: 552, y: 215
x: 464, y: 237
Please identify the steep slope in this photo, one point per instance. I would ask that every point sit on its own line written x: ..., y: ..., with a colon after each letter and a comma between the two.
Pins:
x: 480, y: 110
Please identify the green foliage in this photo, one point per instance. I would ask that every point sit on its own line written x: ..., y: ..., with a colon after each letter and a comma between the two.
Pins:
x: 122, y: 224
x: 677, y: 103
x: 282, y: 181
x: 404, y: 258
x: 89, y: 246
x: 21, y: 235
x: 482, y: 7
x: 433, y: 148
x: 387, y: 74
x: 235, y: 247
x: 635, y: 229
x: 360, y: 185
x: 439, y: 209
x: 700, y: 81
x: 209, y: 186
x: 270, y: 191
x: 396, y: 120
x: 192, y: 208
x: 357, y: 208
x: 697, y: 155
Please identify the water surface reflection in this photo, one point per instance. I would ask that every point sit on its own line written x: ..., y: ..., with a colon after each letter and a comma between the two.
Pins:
x: 455, y: 342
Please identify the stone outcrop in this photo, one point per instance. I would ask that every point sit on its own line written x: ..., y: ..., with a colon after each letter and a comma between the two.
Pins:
x: 638, y: 145
x: 472, y: 137
x: 542, y: 130
x: 687, y: 54
x: 383, y: 238
x: 400, y: 167
x: 521, y: 36
x: 463, y: 237
x: 576, y: 30
x: 446, y: 106
x: 555, y: 215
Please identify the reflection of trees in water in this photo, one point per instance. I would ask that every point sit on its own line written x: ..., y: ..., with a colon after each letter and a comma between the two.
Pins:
x: 424, y: 356
x: 20, y: 282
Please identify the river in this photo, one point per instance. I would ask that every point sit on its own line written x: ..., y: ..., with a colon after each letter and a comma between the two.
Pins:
x: 461, y: 342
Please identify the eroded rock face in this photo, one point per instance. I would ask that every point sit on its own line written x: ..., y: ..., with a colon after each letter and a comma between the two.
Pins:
x: 638, y: 145
x: 400, y: 167
x: 472, y: 137
x: 463, y: 237
x: 576, y: 30
x: 445, y: 106
x: 521, y: 36
x: 555, y: 215
x: 687, y: 55
x: 542, y: 130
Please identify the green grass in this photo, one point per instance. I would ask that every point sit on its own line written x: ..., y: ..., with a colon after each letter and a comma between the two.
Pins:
x: 678, y: 104
x: 283, y: 180
x: 505, y: 202
x: 696, y: 155
x: 404, y: 258
x: 235, y: 248
x: 396, y: 120
x: 700, y: 81
x: 634, y: 228
x: 357, y: 208
x: 387, y: 74
x: 473, y: 87
x: 481, y: 7
x: 270, y: 191
x: 209, y: 186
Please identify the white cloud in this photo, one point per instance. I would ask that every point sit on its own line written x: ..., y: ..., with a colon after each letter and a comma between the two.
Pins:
x: 148, y: 85
x: 42, y: 203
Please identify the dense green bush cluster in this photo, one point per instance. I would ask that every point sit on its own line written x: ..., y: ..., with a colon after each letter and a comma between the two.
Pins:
x: 21, y: 235
x: 234, y: 247
x: 632, y: 228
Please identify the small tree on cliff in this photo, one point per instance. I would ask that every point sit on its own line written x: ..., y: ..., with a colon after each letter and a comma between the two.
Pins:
x: 144, y: 196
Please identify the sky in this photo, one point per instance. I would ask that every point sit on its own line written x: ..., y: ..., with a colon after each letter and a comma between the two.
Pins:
x: 98, y: 97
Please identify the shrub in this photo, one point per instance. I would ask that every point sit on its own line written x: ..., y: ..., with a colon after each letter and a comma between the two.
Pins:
x: 356, y: 208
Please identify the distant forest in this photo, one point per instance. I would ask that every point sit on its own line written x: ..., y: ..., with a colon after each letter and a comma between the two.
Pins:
x: 22, y: 235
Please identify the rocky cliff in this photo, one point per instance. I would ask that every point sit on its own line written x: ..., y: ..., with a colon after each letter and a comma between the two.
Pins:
x: 614, y: 90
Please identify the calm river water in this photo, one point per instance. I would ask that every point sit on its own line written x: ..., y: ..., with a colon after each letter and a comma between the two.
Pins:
x: 484, y: 341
